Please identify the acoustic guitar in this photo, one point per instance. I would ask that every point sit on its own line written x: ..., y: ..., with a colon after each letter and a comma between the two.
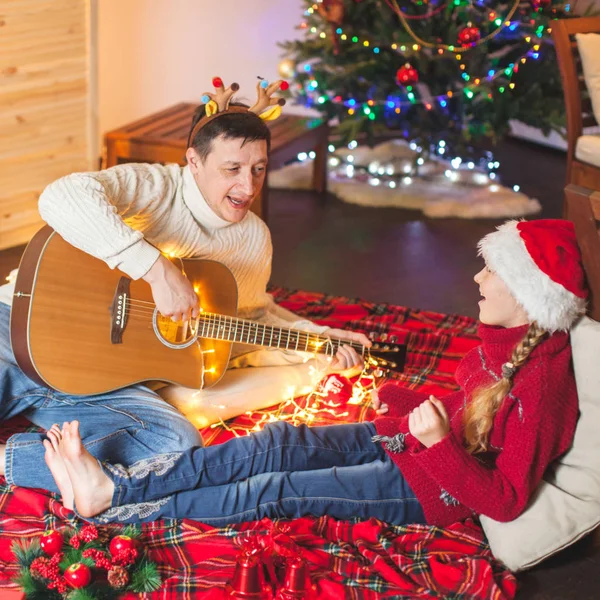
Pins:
x: 79, y: 327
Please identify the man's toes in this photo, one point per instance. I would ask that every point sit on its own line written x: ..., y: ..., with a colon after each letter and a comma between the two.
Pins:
x: 54, y: 439
x: 49, y: 448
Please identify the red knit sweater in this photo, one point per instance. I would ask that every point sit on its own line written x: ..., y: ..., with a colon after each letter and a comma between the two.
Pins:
x: 534, y: 425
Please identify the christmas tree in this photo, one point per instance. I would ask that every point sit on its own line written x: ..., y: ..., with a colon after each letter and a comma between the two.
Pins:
x: 446, y: 75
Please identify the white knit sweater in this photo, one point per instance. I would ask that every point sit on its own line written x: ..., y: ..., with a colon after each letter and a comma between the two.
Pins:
x: 128, y: 214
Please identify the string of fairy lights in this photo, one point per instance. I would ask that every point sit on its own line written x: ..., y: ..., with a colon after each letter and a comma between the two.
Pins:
x: 474, y: 87
x: 533, y: 36
x: 308, y: 406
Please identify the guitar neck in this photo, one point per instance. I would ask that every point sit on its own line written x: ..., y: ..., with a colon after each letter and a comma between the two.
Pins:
x: 232, y: 329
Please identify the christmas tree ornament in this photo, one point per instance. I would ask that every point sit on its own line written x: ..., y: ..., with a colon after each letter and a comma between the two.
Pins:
x: 121, y: 542
x: 286, y: 68
x: 296, y: 583
x: 469, y: 35
x: 249, y: 579
x: 407, y: 75
x: 78, y: 575
x: 540, y: 4
x: 51, y: 542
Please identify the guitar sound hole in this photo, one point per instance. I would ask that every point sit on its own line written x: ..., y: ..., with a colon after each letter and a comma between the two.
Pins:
x: 175, y: 334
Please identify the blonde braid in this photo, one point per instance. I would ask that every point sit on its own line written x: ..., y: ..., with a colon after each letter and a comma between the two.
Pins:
x: 481, y: 410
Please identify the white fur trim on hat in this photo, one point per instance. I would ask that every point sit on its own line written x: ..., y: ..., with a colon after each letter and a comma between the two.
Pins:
x: 546, y: 302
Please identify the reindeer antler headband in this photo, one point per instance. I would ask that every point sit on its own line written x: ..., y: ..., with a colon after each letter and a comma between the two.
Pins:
x: 217, y: 103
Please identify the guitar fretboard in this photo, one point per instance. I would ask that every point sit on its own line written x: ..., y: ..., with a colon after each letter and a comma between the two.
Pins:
x: 232, y: 329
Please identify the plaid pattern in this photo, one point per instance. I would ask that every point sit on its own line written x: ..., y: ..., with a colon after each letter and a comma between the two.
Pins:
x: 359, y: 561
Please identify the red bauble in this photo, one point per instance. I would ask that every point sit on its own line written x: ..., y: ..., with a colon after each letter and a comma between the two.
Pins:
x: 537, y: 4
x: 469, y: 35
x: 407, y: 75
x: 51, y: 542
x: 121, y: 542
x: 284, y: 85
x: 78, y: 575
x: 217, y: 82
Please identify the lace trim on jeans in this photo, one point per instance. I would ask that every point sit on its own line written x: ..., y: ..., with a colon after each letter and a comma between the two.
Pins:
x: 128, y: 511
x: 159, y: 465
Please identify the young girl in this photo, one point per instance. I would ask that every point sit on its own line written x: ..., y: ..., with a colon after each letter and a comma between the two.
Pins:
x: 480, y: 450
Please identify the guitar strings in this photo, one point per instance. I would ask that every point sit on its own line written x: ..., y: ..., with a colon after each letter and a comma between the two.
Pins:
x: 222, y: 327
x: 229, y: 324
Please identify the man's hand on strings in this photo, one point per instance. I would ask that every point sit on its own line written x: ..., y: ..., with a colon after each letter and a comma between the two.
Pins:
x: 172, y: 291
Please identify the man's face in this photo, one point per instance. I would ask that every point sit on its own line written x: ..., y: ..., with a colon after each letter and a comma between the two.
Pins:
x: 231, y: 176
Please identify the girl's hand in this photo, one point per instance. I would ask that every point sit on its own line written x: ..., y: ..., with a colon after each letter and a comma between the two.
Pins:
x: 380, y: 407
x: 429, y: 422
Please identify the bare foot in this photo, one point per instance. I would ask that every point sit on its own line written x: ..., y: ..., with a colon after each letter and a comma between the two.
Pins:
x: 57, y: 465
x: 92, y: 489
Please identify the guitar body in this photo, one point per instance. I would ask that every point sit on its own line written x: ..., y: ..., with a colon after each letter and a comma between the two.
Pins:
x: 63, y: 330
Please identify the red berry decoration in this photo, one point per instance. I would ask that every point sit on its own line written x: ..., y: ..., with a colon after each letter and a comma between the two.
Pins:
x: 469, y: 35
x: 88, y: 533
x: 78, y: 575
x: 121, y: 542
x: 284, y: 86
x: 217, y: 82
x: 51, y: 542
x: 407, y: 75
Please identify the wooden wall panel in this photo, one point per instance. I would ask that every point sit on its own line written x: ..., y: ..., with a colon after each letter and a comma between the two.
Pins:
x: 44, y: 105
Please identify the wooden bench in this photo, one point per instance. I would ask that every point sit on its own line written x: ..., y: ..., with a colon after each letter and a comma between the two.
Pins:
x: 162, y: 138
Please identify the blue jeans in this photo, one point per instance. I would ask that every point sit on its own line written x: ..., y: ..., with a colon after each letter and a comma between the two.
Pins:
x: 124, y: 426
x: 282, y: 471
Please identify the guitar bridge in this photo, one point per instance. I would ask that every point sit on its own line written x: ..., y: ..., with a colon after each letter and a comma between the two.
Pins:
x: 118, y: 311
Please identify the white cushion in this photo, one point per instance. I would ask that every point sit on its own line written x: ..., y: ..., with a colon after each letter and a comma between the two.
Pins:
x: 566, y: 505
x: 589, y: 50
x: 587, y: 149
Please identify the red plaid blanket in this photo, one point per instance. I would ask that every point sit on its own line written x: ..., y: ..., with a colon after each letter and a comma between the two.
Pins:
x: 362, y: 560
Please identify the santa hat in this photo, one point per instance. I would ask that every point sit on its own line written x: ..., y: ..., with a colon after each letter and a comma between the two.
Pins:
x: 540, y: 263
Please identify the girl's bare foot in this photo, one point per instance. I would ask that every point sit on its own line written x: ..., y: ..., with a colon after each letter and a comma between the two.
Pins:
x: 92, y: 489
x: 57, y: 465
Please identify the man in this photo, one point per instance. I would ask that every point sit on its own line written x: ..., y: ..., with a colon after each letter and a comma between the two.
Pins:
x: 131, y: 216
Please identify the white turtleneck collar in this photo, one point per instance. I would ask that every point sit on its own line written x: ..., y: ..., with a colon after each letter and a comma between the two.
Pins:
x: 198, y: 206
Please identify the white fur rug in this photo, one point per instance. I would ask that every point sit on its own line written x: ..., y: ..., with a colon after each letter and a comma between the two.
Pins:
x: 440, y: 190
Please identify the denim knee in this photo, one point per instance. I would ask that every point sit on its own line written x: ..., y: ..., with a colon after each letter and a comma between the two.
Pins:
x: 182, y: 436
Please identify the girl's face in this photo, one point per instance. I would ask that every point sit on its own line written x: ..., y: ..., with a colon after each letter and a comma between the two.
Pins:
x: 497, y: 305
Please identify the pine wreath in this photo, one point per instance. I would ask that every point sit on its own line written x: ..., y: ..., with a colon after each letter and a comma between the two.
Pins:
x: 83, y: 564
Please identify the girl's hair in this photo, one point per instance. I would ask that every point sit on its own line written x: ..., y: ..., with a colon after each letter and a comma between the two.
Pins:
x: 481, y: 410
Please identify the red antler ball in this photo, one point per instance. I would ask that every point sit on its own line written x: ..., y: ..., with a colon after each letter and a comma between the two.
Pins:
x: 217, y: 82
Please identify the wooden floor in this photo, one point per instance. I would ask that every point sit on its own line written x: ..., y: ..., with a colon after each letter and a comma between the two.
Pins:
x: 398, y: 256
x: 322, y: 244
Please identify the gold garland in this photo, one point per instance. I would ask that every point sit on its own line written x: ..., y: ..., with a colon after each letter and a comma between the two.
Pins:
x: 454, y: 49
